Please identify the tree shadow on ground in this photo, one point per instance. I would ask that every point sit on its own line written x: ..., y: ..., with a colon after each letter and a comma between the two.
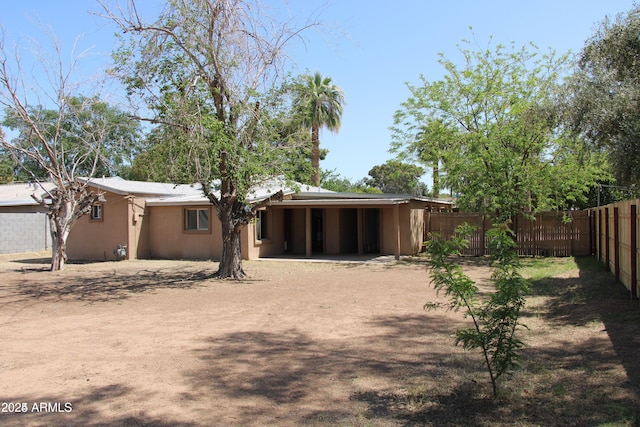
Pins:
x: 24, y: 265
x: 107, y: 286
x: 591, y: 299
x: 560, y: 383
x: 406, y: 373
x: 89, y: 409
x: 289, y: 375
x: 619, y: 313
x: 597, y: 296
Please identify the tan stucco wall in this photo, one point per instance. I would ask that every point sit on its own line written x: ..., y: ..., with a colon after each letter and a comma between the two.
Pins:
x: 387, y: 232
x: 331, y: 231
x: 246, y: 251
x: 298, y: 220
x: 273, y: 245
x: 96, y: 240
x: 158, y: 232
x: 168, y: 239
x: 411, y: 218
x: 416, y: 229
x: 139, y: 229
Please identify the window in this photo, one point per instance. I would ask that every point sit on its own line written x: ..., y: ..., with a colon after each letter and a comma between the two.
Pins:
x: 196, y: 219
x: 261, y: 225
x: 96, y: 212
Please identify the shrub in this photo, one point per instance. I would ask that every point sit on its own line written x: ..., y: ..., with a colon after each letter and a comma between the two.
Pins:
x: 496, y: 319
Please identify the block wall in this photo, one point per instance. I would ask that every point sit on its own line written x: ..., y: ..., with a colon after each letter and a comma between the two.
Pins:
x: 26, y: 231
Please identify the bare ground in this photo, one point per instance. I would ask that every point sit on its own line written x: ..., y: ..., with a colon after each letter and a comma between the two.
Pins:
x: 159, y: 343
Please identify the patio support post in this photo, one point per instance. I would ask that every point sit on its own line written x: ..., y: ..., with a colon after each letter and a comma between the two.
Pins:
x: 132, y: 241
x: 396, y: 225
x: 360, y: 231
x: 307, y: 232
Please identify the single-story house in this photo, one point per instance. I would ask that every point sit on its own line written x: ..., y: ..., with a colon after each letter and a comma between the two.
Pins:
x: 160, y: 220
x: 24, y: 226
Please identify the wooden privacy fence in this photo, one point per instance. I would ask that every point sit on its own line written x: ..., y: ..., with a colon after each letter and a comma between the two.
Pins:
x: 616, y: 240
x: 549, y: 234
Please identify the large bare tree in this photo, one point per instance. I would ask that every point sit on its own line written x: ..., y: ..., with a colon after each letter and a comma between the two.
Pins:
x: 205, y: 70
x: 59, y: 134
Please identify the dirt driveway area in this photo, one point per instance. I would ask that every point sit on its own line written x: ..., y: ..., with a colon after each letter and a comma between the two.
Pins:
x: 142, y: 343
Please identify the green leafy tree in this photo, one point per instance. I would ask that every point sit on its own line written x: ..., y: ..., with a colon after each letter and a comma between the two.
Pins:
x: 6, y: 170
x: 332, y: 180
x: 318, y: 103
x: 118, y: 145
x: 207, y: 70
x: 297, y: 166
x: 496, y: 319
x: 7, y: 165
x: 491, y: 123
x: 423, y: 140
x: 396, y: 177
x: 604, y: 92
x: 160, y: 161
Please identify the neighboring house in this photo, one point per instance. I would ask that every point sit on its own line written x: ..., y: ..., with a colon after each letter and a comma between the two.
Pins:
x: 156, y: 220
x: 24, y: 226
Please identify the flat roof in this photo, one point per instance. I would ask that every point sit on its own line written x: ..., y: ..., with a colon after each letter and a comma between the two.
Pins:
x: 368, y: 196
x: 340, y: 202
x: 20, y: 194
x: 121, y: 186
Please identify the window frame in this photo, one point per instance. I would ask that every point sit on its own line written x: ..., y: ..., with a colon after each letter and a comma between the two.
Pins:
x: 198, y: 219
x: 262, y: 226
x: 100, y: 208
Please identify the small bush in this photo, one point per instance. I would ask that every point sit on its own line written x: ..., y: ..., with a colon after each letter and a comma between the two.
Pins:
x: 495, y: 320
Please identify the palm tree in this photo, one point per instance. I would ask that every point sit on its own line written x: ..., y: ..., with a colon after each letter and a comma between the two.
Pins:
x: 318, y: 102
x: 431, y: 145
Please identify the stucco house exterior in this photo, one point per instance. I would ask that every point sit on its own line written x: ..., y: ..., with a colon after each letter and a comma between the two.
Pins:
x: 24, y: 226
x: 160, y: 220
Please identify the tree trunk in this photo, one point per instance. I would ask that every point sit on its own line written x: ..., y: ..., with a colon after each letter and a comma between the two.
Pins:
x: 315, y: 155
x: 230, y: 266
x: 65, y: 205
x: 436, y: 180
x: 59, y: 234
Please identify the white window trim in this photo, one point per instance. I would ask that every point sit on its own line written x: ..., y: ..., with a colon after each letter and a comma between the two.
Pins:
x: 259, y: 228
x: 198, y: 222
x: 99, y: 208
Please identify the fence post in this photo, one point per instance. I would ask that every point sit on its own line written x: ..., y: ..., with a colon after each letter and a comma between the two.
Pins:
x: 427, y: 226
x: 616, y: 242
x: 634, y: 252
x: 592, y: 232
x: 483, y: 231
x: 571, y: 231
x: 599, y: 236
x: 607, y: 251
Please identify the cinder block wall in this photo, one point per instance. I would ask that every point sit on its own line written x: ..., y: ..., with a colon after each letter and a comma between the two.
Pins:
x: 24, y: 231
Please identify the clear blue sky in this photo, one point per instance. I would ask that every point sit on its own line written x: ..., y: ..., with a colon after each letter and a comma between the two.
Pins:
x: 370, y: 49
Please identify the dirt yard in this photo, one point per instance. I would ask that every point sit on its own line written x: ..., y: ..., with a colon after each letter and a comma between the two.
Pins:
x: 159, y: 343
